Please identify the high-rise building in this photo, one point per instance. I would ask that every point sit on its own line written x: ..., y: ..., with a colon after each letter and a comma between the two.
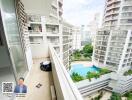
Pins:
x: 113, y: 47
x: 86, y: 35
x: 118, y: 14
x: 37, y: 28
x: 88, y: 32
x: 15, y: 52
x: 76, y: 38
x: 67, y: 40
x: 46, y: 27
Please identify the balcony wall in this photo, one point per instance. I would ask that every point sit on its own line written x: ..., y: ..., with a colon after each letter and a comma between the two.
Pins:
x: 64, y: 86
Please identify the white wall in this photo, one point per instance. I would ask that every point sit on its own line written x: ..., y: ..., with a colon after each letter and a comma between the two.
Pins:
x: 40, y: 7
x: 29, y: 58
x: 40, y: 50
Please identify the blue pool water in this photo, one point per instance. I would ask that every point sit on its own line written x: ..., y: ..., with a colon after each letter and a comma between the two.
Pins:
x: 82, y: 70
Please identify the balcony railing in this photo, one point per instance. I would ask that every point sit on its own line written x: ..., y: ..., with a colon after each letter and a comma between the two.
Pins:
x: 65, y: 88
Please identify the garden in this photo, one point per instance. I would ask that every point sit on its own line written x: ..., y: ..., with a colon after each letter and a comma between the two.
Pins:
x: 129, y: 72
x: 116, y: 96
x: 77, y: 77
x: 84, y: 54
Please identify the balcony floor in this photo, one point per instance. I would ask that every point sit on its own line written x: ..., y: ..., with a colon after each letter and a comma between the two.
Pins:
x: 37, y: 76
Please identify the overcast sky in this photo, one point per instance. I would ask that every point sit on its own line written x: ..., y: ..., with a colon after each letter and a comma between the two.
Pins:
x: 81, y: 12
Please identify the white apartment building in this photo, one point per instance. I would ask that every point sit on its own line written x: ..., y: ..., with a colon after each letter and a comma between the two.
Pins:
x: 46, y: 26
x: 67, y: 37
x: 89, y: 31
x: 16, y: 56
x: 113, y: 43
x: 76, y: 38
x: 86, y: 35
x: 118, y: 13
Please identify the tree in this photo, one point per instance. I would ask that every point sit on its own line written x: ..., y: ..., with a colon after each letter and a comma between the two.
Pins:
x: 86, y: 55
x: 115, y: 96
x: 103, y: 71
x: 88, y: 49
x: 76, y: 77
x: 128, y: 95
x: 91, y: 75
x: 77, y: 54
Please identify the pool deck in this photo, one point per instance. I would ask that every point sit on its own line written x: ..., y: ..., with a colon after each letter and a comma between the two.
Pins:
x: 85, y: 63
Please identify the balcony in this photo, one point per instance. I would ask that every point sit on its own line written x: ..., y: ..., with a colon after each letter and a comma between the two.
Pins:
x: 113, y: 1
x: 113, y: 7
x: 60, y: 1
x: 59, y: 78
x: 127, y: 3
x: 60, y: 10
x: 34, y: 77
x: 112, y: 13
x: 54, y: 3
x: 111, y: 19
x: 65, y: 88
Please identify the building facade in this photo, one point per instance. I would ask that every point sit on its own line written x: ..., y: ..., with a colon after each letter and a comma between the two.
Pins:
x: 76, y: 38
x: 46, y: 27
x: 67, y: 38
x: 19, y: 32
x: 118, y: 14
x: 15, y: 52
x: 113, y: 42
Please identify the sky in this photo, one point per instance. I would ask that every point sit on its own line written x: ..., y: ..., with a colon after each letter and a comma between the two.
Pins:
x: 81, y: 12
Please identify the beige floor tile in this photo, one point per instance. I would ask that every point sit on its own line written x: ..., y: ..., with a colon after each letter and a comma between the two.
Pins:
x: 37, y: 76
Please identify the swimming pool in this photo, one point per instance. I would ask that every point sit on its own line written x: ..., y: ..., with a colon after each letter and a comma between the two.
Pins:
x: 82, y: 70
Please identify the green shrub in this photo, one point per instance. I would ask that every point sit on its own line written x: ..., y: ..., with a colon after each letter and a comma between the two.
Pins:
x: 76, y: 77
x: 115, y: 96
x: 88, y: 48
x: 128, y: 95
x: 103, y: 71
x: 92, y: 75
x: 129, y: 72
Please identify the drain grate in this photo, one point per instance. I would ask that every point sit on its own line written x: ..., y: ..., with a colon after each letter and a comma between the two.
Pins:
x: 38, y: 85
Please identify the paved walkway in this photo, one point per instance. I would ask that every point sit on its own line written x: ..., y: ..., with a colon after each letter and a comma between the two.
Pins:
x: 106, y: 96
x: 37, y: 76
x: 85, y: 63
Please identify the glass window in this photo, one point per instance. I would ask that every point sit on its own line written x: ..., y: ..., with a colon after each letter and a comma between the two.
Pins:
x: 13, y: 36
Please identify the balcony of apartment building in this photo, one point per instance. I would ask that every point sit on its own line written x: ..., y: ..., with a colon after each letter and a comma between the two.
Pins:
x: 113, y: 6
x: 52, y: 30
x: 65, y: 48
x: 54, y: 3
x: 65, y: 32
x: 35, y: 28
x: 66, y: 61
x: 126, y: 15
x: 53, y: 40
x: 66, y: 40
x: 127, y: 9
x: 111, y: 18
x: 61, y: 9
x: 126, y: 22
x: 127, y: 3
x: 60, y: 2
x: 51, y: 20
x: 113, y: 12
x: 36, y: 39
x: 65, y: 55
x: 53, y: 12
x: 55, y: 85
x: 112, y: 2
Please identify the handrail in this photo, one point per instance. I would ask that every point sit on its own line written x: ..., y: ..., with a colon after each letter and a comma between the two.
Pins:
x: 66, y: 85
